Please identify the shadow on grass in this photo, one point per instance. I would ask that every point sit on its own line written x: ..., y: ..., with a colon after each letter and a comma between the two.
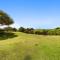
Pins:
x: 4, y: 35
x: 27, y: 57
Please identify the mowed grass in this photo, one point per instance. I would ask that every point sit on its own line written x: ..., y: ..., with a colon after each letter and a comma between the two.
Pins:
x: 30, y: 47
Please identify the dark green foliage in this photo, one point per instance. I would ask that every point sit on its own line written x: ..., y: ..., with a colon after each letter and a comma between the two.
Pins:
x: 45, y: 32
x: 55, y: 31
x: 6, y: 35
x: 14, y: 29
x: 41, y: 32
x: 21, y: 29
x: 29, y: 31
x: 26, y: 30
x: 57, y: 28
x: 5, y: 18
x: 37, y: 32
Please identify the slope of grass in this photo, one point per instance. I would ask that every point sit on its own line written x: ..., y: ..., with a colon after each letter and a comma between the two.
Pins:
x: 30, y: 47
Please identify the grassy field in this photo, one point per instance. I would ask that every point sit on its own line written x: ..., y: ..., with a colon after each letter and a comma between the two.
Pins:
x: 30, y: 47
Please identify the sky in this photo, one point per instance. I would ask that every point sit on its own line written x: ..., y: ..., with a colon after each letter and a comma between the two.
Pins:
x: 33, y: 13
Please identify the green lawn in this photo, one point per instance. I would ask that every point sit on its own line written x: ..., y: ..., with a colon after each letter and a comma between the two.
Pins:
x: 30, y: 47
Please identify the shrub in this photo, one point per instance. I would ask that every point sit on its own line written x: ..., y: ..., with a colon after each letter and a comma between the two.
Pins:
x: 52, y: 32
x: 37, y: 32
x: 14, y: 29
x: 29, y: 31
x: 21, y: 29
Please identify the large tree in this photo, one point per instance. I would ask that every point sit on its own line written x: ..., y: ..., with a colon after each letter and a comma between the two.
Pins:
x: 5, y: 19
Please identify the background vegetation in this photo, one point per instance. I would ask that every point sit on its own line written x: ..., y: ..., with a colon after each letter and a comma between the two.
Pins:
x: 55, y: 31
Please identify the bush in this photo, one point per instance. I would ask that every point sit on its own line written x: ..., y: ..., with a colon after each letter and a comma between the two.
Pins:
x: 14, y: 29
x: 29, y: 31
x: 41, y: 32
x: 37, y: 32
x: 45, y: 32
x: 21, y: 29
x: 55, y: 31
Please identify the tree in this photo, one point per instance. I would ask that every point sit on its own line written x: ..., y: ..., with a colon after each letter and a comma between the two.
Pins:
x: 5, y: 19
x: 44, y: 31
x: 38, y: 32
x: 14, y: 29
x: 57, y: 28
x: 29, y: 31
x: 21, y: 29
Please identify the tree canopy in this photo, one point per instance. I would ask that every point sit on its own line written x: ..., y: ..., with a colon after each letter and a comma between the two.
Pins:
x: 5, y: 19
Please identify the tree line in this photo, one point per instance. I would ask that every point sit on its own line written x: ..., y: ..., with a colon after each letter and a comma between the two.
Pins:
x: 55, y: 31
